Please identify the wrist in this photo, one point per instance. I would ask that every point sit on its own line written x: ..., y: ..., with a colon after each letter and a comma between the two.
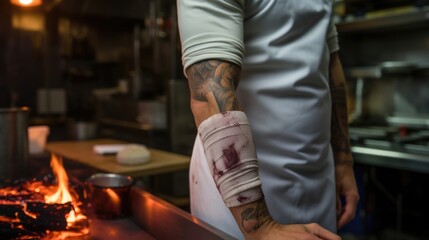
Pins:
x: 263, y: 232
x: 343, y: 159
x: 253, y: 219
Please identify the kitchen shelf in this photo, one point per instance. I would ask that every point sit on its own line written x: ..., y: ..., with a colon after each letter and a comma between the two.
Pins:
x: 411, y: 19
x: 391, y: 159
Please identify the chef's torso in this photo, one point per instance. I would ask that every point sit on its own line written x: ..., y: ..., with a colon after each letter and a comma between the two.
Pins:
x: 284, y: 91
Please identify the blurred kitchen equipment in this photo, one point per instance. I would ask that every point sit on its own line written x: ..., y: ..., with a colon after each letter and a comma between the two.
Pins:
x: 180, y: 119
x: 83, y: 130
x: 109, y: 194
x: 51, y: 101
x: 13, y: 142
x: 375, y: 88
x: 143, y: 114
x: 37, y: 136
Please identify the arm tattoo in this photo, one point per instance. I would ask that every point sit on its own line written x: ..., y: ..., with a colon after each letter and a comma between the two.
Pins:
x: 217, y: 78
x: 254, y: 216
x: 339, y: 126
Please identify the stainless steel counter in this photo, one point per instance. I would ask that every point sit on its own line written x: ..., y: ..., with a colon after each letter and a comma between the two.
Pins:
x: 391, y: 159
x: 153, y: 218
x: 162, y: 220
x: 119, y: 229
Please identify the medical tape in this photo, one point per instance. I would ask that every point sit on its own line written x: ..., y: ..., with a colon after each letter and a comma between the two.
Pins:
x: 230, y: 152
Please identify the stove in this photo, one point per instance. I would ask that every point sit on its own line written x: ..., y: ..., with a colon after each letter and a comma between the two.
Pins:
x: 403, y: 147
x: 404, y: 139
x: 26, y: 213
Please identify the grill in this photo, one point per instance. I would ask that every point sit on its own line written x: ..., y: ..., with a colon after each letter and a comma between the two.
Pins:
x: 404, y: 139
x: 401, y: 147
x: 25, y: 213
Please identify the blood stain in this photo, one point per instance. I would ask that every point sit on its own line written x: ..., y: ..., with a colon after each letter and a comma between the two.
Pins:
x: 231, y: 157
x: 241, y: 199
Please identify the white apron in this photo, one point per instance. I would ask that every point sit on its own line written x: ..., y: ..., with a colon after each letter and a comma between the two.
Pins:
x: 206, y: 202
x: 284, y: 92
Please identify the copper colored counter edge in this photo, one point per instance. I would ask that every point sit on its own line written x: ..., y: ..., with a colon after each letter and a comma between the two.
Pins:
x: 166, y: 221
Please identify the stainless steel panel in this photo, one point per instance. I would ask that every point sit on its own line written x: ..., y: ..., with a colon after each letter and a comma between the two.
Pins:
x: 115, y: 229
x: 391, y: 159
x: 165, y: 221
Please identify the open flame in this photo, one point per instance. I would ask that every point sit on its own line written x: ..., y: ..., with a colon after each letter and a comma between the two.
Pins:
x: 50, y: 209
x: 62, y: 194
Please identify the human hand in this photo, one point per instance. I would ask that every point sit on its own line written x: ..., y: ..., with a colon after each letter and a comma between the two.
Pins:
x: 255, y: 222
x: 272, y: 231
x: 346, y: 187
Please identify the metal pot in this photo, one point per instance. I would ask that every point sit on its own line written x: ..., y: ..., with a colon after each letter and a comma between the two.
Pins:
x: 13, y: 142
x: 108, y: 194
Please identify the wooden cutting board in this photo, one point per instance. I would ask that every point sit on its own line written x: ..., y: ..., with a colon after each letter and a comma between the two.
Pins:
x: 82, y: 152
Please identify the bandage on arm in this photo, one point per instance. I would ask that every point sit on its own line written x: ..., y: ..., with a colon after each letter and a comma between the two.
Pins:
x: 231, y: 154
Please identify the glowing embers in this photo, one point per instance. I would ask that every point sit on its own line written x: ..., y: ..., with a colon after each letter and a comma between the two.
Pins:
x: 45, y: 208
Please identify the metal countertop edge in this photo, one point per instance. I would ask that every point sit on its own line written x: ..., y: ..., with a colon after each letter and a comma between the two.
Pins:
x: 389, y: 158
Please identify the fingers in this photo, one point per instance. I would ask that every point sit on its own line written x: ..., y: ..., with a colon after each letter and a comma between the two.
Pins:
x: 321, y: 232
x: 339, y: 207
x: 349, y: 210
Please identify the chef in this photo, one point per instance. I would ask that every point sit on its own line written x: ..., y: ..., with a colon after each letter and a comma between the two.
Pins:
x: 271, y: 159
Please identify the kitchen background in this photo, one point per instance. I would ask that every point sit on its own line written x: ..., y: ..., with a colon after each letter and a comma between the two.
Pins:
x: 106, y: 68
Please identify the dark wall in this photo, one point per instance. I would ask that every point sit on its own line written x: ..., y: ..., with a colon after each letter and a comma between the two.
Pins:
x: 22, y: 56
x: 5, y: 25
x: 79, y: 50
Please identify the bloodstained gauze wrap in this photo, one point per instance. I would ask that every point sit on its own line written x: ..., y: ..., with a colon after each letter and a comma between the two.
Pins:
x: 230, y: 152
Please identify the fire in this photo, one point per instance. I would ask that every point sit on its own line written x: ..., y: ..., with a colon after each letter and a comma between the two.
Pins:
x: 40, y: 207
x: 62, y: 194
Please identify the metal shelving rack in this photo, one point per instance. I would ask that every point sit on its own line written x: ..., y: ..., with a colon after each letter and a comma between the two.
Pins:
x: 410, y: 19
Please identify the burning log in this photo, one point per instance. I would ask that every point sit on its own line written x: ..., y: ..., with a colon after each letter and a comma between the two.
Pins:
x: 35, y: 217
x: 9, y: 210
x: 13, y: 230
x: 19, y: 195
x: 47, y: 216
x: 47, y: 210
x: 37, y: 209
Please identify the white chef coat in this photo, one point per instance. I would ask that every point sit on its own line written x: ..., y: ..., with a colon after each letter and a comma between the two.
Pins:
x: 283, y: 47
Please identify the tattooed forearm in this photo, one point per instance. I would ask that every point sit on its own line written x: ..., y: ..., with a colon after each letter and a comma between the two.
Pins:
x: 339, y: 124
x: 339, y: 127
x: 254, y: 216
x: 214, y: 79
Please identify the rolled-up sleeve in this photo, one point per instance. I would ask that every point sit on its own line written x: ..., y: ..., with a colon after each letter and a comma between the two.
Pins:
x: 211, y: 30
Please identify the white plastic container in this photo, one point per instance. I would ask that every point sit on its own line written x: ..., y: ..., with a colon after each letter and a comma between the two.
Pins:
x: 37, y: 136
